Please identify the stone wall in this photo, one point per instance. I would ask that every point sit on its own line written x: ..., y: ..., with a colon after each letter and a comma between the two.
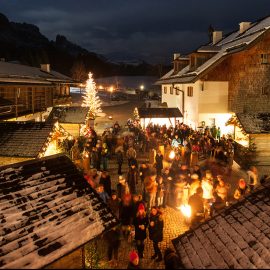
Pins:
x: 247, y: 78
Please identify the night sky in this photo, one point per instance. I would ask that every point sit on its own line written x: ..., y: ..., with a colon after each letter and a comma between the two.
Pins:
x: 150, y: 30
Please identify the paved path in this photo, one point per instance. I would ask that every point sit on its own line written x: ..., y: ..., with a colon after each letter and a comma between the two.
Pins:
x: 174, y: 225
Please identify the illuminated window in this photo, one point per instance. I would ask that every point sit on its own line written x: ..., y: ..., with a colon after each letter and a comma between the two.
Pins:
x: 190, y: 91
x: 165, y: 89
x: 171, y: 90
x: 264, y: 58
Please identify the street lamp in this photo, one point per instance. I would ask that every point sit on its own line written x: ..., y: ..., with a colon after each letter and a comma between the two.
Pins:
x: 142, y: 87
x: 111, y: 90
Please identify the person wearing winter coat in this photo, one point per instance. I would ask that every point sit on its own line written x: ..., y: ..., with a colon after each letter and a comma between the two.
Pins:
x: 105, y: 156
x: 168, y: 182
x: 103, y: 195
x: 131, y: 155
x: 136, y: 201
x: 122, y: 187
x: 195, y: 183
x: 151, y: 189
x: 120, y: 158
x: 197, y: 206
x: 208, y: 188
x: 241, y: 190
x: 156, y: 225
x: 125, y: 215
x: 105, y: 180
x: 172, y: 260
x: 133, y: 178
x: 112, y: 238
x: 160, y: 191
x: 95, y: 158
x: 133, y: 260
x: 252, y: 178
x: 159, y: 162
x: 222, y: 190
x: 114, y: 204
x: 140, y: 223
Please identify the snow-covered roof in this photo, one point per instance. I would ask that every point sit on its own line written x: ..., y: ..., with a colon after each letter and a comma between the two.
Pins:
x: 23, y: 139
x: 253, y: 123
x: 236, y: 238
x: 234, y: 42
x: 12, y: 72
x: 69, y: 114
x: 47, y: 211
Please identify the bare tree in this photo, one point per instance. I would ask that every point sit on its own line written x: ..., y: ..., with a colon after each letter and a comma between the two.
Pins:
x: 78, y: 71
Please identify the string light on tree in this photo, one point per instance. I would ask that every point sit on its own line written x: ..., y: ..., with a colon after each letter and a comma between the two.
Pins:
x: 90, y: 98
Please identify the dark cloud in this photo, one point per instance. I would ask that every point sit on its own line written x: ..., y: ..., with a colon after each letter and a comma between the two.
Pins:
x: 148, y: 29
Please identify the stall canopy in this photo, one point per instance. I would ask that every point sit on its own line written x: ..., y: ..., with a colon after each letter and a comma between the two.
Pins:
x: 159, y: 113
x: 161, y: 116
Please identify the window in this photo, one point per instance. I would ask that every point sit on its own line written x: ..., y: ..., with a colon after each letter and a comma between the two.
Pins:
x: 264, y: 58
x: 190, y: 91
x: 265, y: 91
x: 165, y: 89
x: 177, y: 92
x: 171, y: 90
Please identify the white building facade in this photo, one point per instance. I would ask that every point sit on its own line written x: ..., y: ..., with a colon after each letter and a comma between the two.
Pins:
x: 205, y: 103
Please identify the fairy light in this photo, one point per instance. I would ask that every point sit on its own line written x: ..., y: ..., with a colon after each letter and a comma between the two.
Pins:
x: 90, y: 98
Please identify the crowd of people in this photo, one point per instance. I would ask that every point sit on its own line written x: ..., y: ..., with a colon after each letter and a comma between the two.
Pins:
x: 198, y: 175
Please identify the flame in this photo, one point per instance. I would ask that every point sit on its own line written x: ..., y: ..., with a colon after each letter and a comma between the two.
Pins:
x: 172, y: 155
x: 186, y: 210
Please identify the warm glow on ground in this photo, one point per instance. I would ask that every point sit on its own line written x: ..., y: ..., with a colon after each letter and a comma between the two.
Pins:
x: 186, y: 210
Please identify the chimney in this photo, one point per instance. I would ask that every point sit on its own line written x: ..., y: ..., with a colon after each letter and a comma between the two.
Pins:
x: 176, y: 55
x: 217, y: 36
x: 243, y: 26
x: 45, y: 67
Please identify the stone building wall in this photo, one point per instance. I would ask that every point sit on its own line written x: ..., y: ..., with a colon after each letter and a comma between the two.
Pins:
x: 248, y: 78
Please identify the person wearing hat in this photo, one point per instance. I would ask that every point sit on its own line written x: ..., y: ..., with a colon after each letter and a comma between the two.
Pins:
x: 133, y: 260
x: 140, y: 223
x: 241, y: 190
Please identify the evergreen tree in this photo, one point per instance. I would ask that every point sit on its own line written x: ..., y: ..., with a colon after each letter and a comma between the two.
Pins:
x: 90, y: 98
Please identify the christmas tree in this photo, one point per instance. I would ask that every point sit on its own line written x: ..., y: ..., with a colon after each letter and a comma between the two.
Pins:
x: 90, y: 98
x: 136, y: 114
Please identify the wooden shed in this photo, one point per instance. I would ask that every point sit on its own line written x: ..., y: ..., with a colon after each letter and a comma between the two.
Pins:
x: 71, y: 118
x: 21, y: 141
x: 48, y: 213
x: 252, y: 130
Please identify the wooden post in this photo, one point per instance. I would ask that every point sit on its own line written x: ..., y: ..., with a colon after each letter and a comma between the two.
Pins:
x: 33, y: 100
x: 83, y: 258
